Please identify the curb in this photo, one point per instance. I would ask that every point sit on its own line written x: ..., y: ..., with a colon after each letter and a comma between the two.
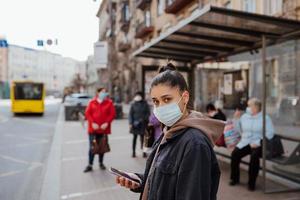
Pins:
x: 51, y: 184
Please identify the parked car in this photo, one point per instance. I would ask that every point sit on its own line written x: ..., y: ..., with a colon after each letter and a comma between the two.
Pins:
x: 75, y: 104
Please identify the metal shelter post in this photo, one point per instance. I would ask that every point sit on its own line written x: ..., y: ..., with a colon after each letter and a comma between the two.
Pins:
x: 264, y: 91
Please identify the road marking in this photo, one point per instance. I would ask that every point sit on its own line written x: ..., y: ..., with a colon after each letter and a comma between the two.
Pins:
x: 80, y: 194
x: 74, y: 158
x: 12, y: 173
x: 15, y: 160
x: 26, y: 137
x: 32, y: 166
x: 109, y: 138
x: 76, y: 141
x: 34, y: 121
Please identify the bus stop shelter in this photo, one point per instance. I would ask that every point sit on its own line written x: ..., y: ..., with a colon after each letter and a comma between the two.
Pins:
x: 213, y: 34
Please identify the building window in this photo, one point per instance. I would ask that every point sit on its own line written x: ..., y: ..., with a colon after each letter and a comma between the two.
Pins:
x: 249, y: 6
x: 228, y: 4
x: 126, y: 12
x: 169, y: 2
x: 147, y: 18
x: 160, y: 7
x: 273, y: 7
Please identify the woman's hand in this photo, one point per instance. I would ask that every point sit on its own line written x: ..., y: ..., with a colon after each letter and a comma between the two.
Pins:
x: 127, y: 183
x: 254, y: 146
x: 104, y: 126
x: 237, y: 114
x: 95, y: 126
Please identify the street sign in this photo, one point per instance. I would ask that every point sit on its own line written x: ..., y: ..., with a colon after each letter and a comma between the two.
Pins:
x: 3, y: 44
x: 40, y: 43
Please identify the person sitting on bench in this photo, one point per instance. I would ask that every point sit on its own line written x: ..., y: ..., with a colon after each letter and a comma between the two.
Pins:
x: 250, y: 127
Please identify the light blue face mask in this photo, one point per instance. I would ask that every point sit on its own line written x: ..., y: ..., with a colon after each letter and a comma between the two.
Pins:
x: 102, y: 95
x: 168, y: 114
x: 248, y: 110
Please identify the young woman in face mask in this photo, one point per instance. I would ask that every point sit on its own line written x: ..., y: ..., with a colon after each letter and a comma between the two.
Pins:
x: 250, y: 127
x: 138, y: 119
x: 99, y: 113
x: 183, y: 164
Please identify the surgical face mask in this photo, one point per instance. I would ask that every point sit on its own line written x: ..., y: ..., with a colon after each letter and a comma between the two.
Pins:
x: 102, y: 95
x: 248, y: 110
x: 168, y: 114
x: 137, y: 98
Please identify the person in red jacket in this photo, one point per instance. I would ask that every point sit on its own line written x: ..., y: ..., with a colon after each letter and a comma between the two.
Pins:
x: 99, y: 113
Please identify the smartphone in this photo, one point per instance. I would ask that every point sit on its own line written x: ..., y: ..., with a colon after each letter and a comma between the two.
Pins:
x: 124, y: 174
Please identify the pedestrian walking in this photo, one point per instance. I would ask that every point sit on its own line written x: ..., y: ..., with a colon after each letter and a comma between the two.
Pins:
x: 250, y: 127
x: 138, y: 119
x: 182, y: 164
x: 99, y: 113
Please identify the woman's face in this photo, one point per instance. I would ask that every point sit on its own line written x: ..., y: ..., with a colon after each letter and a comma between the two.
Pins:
x: 253, y: 108
x: 163, y: 94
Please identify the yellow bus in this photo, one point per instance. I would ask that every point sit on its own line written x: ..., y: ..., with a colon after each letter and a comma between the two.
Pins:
x: 27, y: 97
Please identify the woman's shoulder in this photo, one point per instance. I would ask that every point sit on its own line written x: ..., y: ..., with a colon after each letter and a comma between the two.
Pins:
x: 195, y: 136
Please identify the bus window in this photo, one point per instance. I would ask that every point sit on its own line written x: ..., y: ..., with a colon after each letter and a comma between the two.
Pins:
x: 28, y: 91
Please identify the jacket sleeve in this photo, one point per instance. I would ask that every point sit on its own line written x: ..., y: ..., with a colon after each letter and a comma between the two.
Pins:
x: 194, y: 175
x: 147, y: 112
x: 130, y: 116
x: 112, y: 113
x: 141, y: 188
x: 88, y: 113
x: 153, y: 120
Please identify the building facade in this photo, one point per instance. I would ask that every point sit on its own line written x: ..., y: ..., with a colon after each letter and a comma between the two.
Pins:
x: 4, y: 88
x: 55, y: 71
x: 131, y: 24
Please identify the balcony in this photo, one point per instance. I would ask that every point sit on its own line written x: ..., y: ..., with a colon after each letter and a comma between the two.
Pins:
x: 142, y: 4
x: 124, y: 25
x: 124, y: 46
x: 143, y: 30
x: 173, y: 6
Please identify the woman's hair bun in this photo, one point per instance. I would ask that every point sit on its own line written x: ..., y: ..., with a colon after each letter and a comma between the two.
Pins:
x: 169, y: 66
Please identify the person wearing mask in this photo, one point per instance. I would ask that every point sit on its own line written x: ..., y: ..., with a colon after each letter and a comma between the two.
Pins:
x: 99, y: 113
x: 215, y: 113
x: 153, y: 121
x: 250, y: 127
x: 138, y: 119
x: 183, y: 164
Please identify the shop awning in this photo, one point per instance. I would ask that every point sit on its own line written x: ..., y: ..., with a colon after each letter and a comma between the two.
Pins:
x: 214, y: 33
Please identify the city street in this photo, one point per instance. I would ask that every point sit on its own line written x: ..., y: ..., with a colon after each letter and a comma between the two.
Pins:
x: 24, y: 147
x: 44, y: 157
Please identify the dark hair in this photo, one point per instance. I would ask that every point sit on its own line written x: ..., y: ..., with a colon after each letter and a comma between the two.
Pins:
x: 100, y: 89
x: 140, y: 94
x: 210, y: 107
x: 168, y: 75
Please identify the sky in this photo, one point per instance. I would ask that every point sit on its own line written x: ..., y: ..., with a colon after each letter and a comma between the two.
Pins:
x: 72, y: 22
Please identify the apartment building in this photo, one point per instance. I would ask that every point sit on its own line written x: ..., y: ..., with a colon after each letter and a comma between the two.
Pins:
x: 133, y: 24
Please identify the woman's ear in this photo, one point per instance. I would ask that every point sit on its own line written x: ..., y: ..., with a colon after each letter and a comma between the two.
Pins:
x: 186, y: 97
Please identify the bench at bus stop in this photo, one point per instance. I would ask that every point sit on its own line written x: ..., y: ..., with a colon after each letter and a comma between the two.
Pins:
x: 285, y: 166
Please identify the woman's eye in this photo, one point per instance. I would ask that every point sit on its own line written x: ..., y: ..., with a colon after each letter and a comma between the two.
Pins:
x: 166, y: 100
x: 155, y: 102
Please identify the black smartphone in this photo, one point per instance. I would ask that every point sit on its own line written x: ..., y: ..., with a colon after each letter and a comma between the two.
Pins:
x: 124, y: 174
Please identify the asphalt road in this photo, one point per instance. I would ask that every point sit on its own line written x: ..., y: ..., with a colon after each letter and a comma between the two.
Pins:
x: 24, y: 147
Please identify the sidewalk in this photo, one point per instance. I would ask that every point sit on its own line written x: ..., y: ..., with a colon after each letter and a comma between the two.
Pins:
x: 74, y: 184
